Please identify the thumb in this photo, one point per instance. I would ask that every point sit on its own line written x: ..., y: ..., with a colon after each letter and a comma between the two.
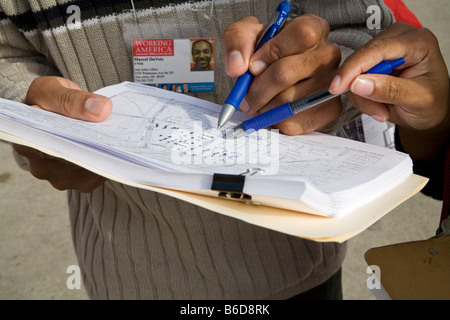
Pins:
x: 239, y: 41
x: 63, y: 96
x: 388, y: 89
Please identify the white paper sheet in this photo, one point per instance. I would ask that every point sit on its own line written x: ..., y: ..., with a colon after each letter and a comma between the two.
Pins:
x: 151, y: 130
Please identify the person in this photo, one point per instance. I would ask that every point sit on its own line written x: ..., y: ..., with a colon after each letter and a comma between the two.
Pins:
x: 138, y: 244
x: 202, y: 53
x: 417, y: 99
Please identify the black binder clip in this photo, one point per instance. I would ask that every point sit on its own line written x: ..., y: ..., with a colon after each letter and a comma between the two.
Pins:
x: 231, y: 186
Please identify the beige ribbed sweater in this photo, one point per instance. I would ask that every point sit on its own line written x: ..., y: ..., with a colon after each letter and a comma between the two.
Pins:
x: 136, y: 244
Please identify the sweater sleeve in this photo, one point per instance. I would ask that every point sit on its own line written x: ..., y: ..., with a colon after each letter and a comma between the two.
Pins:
x: 20, y: 60
x: 20, y: 63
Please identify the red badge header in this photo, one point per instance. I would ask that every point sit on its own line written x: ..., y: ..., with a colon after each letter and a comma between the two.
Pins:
x: 153, y: 48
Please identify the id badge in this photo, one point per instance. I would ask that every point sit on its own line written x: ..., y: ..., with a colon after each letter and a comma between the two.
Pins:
x: 181, y: 65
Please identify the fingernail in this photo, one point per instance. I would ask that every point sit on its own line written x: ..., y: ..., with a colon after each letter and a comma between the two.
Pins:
x: 335, y: 84
x: 257, y: 67
x: 235, y: 60
x: 244, y: 106
x: 363, y: 87
x: 95, y: 105
x: 378, y: 118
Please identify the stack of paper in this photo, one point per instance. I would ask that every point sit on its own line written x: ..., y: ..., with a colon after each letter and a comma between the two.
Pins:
x: 164, y: 139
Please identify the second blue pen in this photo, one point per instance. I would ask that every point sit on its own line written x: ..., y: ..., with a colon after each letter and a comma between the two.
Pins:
x: 288, y: 110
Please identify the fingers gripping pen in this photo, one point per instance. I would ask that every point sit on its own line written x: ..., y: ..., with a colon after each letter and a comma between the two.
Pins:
x: 288, y: 110
x: 241, y: 86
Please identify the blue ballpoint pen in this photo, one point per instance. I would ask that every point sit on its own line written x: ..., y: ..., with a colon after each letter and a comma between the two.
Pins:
x: 288, y: 110
x: 241, y: 86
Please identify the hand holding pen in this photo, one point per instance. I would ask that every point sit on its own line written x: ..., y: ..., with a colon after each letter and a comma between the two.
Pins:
x: 290, y: 109
x: 417, y: 99
x: 285, y: 68
x: 242, y: 84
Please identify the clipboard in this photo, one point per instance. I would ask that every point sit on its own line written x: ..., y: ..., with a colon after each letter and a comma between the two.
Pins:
x: 418, y: 270
x: 230, y: 200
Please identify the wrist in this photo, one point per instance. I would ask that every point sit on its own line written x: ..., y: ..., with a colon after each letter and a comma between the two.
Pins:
x: 427, y: 144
